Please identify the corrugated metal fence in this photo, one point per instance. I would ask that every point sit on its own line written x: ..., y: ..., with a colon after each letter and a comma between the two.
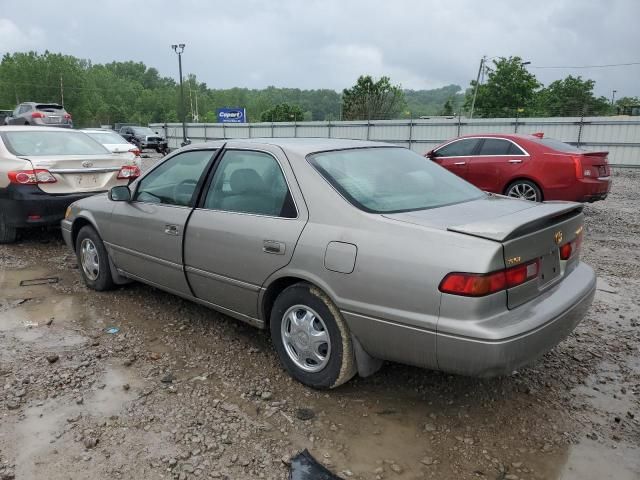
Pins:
x: 619, y: 135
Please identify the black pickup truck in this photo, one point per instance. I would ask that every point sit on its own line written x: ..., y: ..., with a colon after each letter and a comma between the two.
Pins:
x: 144, y: 137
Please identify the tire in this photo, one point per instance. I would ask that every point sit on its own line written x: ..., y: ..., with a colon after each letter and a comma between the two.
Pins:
x: 525, y: 190
x: 8, y: 234
x: 93, y: 260
x: 334, y: 359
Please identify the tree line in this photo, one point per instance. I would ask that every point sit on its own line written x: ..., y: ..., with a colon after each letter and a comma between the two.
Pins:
x: 104, y: 94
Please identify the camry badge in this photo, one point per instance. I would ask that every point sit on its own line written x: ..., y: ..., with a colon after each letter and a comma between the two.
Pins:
x: 558, y: 237
x: 87, y: 164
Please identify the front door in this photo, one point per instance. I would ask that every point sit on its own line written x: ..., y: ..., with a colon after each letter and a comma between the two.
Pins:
x: 147, y: 242
x: 245, y: 229
x: 455, y: 156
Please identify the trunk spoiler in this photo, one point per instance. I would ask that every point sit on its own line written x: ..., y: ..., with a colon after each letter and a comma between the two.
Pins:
x: 520, y: 223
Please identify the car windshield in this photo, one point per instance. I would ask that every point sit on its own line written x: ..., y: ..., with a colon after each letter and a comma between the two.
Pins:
x: 391, y: 180
x: 36, y: 143
x: 107, y: 138
x: 558, y: 145
x: 143, y: 131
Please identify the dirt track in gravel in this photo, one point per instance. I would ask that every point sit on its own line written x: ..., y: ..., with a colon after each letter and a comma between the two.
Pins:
x: 183, y: 392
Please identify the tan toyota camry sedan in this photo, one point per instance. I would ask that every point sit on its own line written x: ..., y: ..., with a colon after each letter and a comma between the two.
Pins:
x: 349, y: 252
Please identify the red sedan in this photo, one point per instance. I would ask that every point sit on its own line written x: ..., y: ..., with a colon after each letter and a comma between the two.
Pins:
x: 527, y: 166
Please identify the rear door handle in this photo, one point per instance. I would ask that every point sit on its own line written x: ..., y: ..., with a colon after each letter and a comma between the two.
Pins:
x: 460, y: 163
x: 515, y: 161
x: 273, y: 246
x: 171, y: 230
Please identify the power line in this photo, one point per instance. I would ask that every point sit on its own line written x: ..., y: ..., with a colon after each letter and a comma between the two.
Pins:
x: 589, y: 66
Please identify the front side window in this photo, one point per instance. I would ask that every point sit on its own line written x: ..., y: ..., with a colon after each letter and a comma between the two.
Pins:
x: 459, y: 148
x: 36, y: 143
x: 391, y: 180
x: 250, y: 182
x: 174, y: 181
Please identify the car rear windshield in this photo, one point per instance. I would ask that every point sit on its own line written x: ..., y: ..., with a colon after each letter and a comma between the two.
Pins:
x: 143, y: 131
x: 48, y: 106
x: 107, y: 138
x: 559, y: 146
x: 391, y: 180
x: 37, y: 143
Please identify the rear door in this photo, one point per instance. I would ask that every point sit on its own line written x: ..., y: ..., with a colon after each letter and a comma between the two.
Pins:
x: 496, y: 159
x: 246, y: 227
x: 455, y: 156
x: 145, y: 235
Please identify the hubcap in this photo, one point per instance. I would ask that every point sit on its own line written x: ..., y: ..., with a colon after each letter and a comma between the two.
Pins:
x: 523, y: 191
x: 305, y: 338
x: 89, y: 259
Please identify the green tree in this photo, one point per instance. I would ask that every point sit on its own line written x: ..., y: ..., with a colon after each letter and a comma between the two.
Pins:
x: 570, y: 97
x: 509, y: 87
x: 447, y: 109
x: 370, y: 100
x: 283, y: 112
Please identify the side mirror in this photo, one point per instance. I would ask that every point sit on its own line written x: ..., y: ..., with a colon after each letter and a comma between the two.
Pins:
x: 430, y: 155
x: 120, y: 194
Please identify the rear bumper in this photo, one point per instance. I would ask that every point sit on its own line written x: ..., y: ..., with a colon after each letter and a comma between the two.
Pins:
x: 28, y: 206
x: 592, y: 190
x: 539, y: 326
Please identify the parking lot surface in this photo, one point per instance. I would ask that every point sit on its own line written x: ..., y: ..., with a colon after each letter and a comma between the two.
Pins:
x: 137, y: 383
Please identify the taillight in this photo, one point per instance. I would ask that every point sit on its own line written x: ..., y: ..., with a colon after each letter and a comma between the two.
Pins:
x: 571, y: 248
x: 135, y: 151
x: 31, y: 177
x: 479, y: 284
x: 67, y: 116
x: 577, y: 163
x: 38, y: 115
x: 128, y: 172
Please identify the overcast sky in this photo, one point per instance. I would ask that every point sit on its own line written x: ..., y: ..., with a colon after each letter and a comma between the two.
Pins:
x: 329, y: 43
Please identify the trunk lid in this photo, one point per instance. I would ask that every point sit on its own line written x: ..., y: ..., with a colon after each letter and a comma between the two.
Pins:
x: 53, y: 114
x: 527, y: 231
x: 81, y: 173
x: 594, y: 164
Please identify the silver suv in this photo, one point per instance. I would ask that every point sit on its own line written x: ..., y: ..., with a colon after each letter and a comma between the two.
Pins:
x: 46, y: 114
x: 43, y: 170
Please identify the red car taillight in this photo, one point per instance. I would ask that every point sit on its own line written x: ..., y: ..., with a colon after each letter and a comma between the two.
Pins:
x: 31, y: 177
x: 577, y: 163
x: 481, y: 284
x: 571, y: 248
x: 38, y: 115
x: 128, y: 172
x: 135, y: 151
x: 67, y: 116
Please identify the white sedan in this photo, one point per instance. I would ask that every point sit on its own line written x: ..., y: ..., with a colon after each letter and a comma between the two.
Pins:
x: 113, y: 142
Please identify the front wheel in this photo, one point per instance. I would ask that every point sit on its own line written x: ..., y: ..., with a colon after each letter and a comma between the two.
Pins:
x: 524, y: 190
x: 93, y: 260
x: 311, y: 337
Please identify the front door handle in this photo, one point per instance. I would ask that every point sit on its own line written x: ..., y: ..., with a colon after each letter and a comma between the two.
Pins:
x: 273, y: 246
x: 460, y: 163
x: 171, y: 230
x: 515, y: 161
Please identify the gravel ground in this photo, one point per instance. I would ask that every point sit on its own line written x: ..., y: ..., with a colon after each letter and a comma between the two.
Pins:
x: 183, y: 392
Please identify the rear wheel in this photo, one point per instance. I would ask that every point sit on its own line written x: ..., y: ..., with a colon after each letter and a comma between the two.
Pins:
x: 525, y: 190
x: 8, y: 234
x: 93, y: 260
x: 311, y: 337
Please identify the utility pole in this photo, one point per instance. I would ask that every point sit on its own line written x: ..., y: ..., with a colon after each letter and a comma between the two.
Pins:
x: 61, y: 91
x: 475, y: 90
x: 613, y: 97
x: 179, y: 49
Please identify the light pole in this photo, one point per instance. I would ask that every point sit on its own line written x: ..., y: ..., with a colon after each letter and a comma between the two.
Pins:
x: 613, y: 97
x: 179, y: 48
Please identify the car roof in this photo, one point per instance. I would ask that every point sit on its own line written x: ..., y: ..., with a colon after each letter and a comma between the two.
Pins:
x: 510, y: 136
x: 97, y: 130
x: 300, y: 146
x: 30, y: 128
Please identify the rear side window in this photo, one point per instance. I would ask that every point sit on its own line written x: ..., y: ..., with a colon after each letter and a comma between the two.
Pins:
x: 250, y: 182
x: 37, y: 143
x: 498, y: 146
x: 459, y: 148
